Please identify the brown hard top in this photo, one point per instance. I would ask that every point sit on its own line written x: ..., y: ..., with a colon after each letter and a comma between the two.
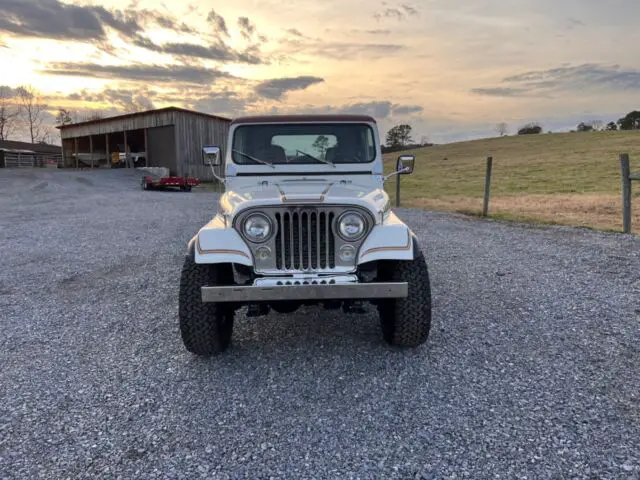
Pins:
x: 302, y: 118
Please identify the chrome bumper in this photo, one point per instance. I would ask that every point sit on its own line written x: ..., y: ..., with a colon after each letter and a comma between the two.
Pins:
x: 353, y: 291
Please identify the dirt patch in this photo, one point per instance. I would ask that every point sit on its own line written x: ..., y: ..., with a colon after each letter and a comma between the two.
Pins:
x: 83, y: 180
x: 586, y: 210
x: 5, y: 289
x: 98, y: 276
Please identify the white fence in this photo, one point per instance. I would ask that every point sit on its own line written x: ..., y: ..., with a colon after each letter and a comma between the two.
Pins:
x: 32, y: 160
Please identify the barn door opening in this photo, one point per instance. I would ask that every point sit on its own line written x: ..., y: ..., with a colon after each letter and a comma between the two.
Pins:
x: 161, y: 146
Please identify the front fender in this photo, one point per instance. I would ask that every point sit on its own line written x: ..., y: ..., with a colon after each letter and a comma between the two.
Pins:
x: 391, y: 241
x: 217, y: 243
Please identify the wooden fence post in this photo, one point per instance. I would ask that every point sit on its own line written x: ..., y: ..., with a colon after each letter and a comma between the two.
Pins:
x: 626, y: 192
x: 398, y: 190
x: 487, y: 187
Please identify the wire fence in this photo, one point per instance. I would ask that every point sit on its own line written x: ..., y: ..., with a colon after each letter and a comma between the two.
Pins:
x: 484, y: 197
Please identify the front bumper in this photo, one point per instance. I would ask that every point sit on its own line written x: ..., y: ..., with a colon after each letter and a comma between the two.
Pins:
x: 353, y: 291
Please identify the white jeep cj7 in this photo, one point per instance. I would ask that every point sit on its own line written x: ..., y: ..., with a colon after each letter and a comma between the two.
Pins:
x: 304, y: 220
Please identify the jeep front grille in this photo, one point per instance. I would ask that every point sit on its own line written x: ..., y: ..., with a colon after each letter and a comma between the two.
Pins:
x: 305, y: 240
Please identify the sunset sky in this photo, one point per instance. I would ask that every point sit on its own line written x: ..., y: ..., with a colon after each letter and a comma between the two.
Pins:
x: 451, y: 69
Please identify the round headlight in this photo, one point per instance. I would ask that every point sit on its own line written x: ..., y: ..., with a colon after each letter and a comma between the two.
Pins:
x: 351, y: 226
x: 257, y: 228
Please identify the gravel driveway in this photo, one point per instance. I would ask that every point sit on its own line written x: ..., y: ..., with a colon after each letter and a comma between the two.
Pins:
x: 532, y: 369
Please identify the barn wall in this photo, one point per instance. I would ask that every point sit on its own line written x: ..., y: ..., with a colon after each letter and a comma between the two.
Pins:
x: 67, y: 152
x: 192, y: 133
x: 153, y: 119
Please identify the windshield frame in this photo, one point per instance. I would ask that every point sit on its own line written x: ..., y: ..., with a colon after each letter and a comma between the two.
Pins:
x: 369, y: 129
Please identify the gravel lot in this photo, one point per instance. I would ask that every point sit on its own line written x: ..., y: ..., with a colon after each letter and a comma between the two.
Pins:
x: 532, y: 369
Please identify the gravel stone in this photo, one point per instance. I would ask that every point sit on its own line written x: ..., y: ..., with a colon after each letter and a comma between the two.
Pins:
x: 532, y: 369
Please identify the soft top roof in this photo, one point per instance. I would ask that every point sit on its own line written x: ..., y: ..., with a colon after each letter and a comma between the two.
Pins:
x: 302, y: 118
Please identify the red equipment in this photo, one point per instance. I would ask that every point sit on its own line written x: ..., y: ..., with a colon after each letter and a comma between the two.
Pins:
x: 185, y: 183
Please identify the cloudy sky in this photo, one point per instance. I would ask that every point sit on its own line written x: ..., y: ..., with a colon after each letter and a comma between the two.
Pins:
x: 451, y: 68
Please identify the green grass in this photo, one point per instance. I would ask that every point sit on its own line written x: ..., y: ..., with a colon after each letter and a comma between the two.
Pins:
x: 544, y: 164
x: 559, y: 164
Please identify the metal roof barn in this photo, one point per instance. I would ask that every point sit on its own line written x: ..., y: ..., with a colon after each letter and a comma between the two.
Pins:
x: 169, y: 137
x: 22, y: 154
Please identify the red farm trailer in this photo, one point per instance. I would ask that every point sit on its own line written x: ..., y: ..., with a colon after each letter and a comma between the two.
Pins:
x: 150, y: 182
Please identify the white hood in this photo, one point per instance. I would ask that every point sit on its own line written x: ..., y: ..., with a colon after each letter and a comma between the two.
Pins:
x: 364, y: 191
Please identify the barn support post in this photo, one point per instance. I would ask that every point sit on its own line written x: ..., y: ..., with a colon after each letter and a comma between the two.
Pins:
x: 75, y: 149
x: 91, y: 149
x: 146, y: 149
x: 126, y: 150
x: 64, y: 158
x: 487, y: 187
x: 106, y: 142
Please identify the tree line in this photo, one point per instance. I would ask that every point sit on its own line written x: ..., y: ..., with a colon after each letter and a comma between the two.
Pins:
x: 399, y: 138
x: 25, y: 113
x: 631, y: 121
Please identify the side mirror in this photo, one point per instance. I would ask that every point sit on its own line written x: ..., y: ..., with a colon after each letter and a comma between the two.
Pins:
x: 211, y: 156
x: 405, y: 164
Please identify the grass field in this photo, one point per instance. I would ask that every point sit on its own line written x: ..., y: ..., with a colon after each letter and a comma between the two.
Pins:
x: 564, y: 178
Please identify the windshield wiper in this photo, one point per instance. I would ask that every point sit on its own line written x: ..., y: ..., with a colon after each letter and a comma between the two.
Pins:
x: 316, y: 158
x: 254, y: 158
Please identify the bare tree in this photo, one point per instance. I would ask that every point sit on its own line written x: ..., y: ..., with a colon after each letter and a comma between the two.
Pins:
x: 502, y: 128
x: 46, y: 136
x: 33, y: 112
x: 9, y: 113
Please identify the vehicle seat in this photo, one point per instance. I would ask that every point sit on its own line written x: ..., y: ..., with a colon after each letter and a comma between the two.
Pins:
x: 271, y: 153
x: 339, y: 154
x: 330, y: 154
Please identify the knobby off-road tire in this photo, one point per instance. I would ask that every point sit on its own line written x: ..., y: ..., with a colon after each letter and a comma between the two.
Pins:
x: 206, y: 328
x: 406, y: 322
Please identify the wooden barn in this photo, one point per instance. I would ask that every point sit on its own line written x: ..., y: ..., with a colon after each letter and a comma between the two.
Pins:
x: 22, y: 154
x: 169, y: 137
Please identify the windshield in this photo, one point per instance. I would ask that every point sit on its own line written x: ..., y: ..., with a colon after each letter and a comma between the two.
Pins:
x: 281, y: 144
